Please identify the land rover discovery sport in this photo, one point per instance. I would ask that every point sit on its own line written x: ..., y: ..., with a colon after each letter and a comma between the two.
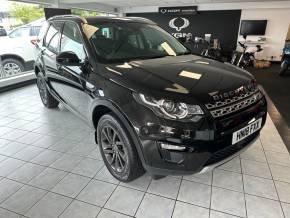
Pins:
x: 155, y: 107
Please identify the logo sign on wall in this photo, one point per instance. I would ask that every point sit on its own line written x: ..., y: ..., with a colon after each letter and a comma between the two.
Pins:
x: 186, y: 10
x: 179, y: 28
x: 179, y: 24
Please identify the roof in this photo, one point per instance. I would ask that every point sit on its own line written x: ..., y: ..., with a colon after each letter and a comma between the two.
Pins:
x: 102, y: 19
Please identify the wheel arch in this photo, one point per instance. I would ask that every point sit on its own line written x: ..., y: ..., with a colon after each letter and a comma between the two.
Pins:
x: 103, y: 107
x: 13, y: 56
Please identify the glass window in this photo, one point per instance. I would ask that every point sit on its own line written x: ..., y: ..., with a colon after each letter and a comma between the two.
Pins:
x: 34, y: 30
x: 52, y: 37
x: 21, y: 32
x: 71, y: 40
x: 117, y: 42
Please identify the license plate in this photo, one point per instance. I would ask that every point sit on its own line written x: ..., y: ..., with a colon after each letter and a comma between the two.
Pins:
x: 246, y: 131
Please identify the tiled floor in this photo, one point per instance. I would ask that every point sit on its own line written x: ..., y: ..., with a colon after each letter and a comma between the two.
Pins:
x: 51, y: 167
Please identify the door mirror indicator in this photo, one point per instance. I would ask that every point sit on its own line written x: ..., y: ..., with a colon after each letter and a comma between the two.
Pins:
x: 68, y: 58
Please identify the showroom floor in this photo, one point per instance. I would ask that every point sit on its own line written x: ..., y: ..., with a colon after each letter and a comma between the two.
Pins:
x: 50, y: 167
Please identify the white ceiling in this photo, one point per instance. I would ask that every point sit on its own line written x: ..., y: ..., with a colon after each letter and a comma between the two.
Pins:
x: 138, y: 3
x: 138, y: 6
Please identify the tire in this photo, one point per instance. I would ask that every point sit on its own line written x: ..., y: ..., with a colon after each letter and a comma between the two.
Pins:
x: 47, y: 99
x: 117, y: 149
x: 12, y: 67
x: 284, y: 68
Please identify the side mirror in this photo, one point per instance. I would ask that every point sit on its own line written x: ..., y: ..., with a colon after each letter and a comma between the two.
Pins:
x: 68, y: 58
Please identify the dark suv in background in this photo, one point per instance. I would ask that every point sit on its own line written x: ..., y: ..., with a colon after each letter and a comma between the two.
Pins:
x: 2, y: 31
x: 154, y: 105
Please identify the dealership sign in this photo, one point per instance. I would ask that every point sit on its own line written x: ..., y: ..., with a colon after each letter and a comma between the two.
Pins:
x: 179, y: 28
x: 186, y: 10
x: 179, y: 24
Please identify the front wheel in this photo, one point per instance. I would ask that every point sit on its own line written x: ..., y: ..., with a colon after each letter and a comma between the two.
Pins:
x: 47, y: 99
x: 117, y: 150
x: 284, y: 68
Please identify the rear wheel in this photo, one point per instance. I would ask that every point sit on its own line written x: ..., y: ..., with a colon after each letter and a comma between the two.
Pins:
x: 47, y: 99
x: 12, y: 67
x: 118, y: 151
x: 284, y: 68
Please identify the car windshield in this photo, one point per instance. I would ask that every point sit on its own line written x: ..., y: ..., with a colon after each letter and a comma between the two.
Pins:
x: 116, y: 42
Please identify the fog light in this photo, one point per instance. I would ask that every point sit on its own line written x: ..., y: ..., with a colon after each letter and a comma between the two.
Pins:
x: 172, y: 147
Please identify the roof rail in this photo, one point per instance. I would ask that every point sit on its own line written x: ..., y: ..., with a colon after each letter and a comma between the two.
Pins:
x: 68, y: 16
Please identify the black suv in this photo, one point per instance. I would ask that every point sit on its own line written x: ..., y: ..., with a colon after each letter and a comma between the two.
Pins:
x: 155, y: 106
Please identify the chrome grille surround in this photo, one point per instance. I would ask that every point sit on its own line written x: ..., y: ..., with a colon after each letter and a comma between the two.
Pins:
x: 228, y: 106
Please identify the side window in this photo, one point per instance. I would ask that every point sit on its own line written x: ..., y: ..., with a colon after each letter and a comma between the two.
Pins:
x: 51, y: 40
x: 71, y: 40
x: 21, y: 32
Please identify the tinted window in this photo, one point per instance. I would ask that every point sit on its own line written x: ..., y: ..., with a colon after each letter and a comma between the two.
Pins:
x: 52, y: 37
x: 71, y: 40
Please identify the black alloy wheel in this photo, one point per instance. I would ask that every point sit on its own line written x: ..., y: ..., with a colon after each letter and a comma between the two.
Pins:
x: 117, y: 149
x: 42, y: 89
x: 113, y: 147
x: 47, y: 99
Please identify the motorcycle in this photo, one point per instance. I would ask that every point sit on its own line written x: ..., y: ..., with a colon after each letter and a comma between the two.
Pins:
x: 216, y: 52
x: 285, y: 62
x: 246, y: 57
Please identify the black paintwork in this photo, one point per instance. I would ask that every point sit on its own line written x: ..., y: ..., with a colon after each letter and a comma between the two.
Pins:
x: 95, y: 88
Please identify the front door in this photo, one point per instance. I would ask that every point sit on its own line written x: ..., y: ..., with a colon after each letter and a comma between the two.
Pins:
x: 72, y: 87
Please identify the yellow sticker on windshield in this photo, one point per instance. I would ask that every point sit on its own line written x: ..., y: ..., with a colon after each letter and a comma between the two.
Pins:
x: 89, y: 30
x: 168, y: 49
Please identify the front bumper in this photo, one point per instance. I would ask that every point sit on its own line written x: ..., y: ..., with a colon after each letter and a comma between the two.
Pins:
x: 207, y: 147
x: 222, y: 161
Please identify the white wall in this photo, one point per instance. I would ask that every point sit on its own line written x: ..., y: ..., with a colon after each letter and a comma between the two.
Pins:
x: 276, y: 32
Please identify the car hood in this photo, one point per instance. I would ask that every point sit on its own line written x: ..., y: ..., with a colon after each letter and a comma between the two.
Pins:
x: 184, y: 77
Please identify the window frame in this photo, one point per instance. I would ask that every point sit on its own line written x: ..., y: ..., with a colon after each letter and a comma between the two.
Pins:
x: 58, y: 42
x: 41, y: 40
x: 81, y: 35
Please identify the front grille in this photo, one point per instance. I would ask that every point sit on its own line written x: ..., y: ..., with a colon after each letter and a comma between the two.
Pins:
x: 231, y: 105
x: 232, y: 100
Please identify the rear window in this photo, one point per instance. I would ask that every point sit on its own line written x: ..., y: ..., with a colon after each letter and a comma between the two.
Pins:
x: 20, y: 32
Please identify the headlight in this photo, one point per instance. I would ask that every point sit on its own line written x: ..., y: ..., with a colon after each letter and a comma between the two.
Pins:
x: 169, y: 109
